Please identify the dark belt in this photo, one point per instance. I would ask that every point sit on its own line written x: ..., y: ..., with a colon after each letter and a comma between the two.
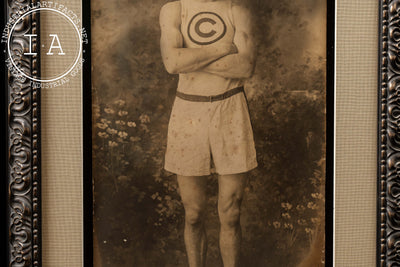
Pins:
x: 211, y: 98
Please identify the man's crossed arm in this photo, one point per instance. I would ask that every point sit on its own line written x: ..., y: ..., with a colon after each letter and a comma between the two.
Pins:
x: 224, y: 59
x: 178, y: 59
x: 241, y: 64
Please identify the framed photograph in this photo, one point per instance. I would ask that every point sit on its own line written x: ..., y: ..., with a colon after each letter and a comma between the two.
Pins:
x: 208, y: 130
x: 159, y: 91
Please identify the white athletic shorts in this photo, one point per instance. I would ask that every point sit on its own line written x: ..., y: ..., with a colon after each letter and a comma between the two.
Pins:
x: 201, y: 131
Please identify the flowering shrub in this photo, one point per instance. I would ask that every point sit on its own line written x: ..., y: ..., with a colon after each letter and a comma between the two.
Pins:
x: 138, y: 213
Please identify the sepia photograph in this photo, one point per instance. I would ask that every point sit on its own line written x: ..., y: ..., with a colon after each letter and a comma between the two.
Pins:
x: 209, y: 132
x: 201, y: 133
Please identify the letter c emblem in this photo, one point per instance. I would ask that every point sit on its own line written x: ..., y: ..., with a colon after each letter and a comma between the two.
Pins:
x: 206, y: 28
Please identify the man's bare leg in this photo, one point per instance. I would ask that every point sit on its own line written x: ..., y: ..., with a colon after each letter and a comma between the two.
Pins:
x: 231, y: 189
x: 193, y: 193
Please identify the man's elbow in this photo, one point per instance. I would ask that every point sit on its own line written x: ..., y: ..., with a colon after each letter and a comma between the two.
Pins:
x: 169, y: 60
x: 172, y: 70
x: 246, y: 64
x: 171, y: 67
x: 248, y: 71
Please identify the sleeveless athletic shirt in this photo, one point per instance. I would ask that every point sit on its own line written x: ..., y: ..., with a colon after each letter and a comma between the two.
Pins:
x: 203, y: 24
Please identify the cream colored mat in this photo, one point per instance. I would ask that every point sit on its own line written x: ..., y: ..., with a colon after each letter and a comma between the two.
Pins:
x: 62, y: 159
x: 355, y: 211
x: 356, y: 132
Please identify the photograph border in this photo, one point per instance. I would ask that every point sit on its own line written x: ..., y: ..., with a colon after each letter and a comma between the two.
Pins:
x: 88, y: 185
x: 330, y: 131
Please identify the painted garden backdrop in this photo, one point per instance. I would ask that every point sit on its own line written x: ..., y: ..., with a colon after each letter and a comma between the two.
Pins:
x: 138, y: 215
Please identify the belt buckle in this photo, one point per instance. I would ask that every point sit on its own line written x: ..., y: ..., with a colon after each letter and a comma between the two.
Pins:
x: 210, y: 98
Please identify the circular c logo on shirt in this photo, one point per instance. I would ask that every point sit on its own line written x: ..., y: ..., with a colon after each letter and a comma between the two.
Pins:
x: 206, y: 28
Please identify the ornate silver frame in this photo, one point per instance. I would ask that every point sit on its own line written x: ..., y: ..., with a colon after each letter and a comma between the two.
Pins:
x: 388, y: 243
x: 22, y: 183
x: 23, y: 148
x: 23, y: 206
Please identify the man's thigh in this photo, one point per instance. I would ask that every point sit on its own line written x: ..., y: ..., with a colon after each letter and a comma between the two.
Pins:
x: 193, y: 191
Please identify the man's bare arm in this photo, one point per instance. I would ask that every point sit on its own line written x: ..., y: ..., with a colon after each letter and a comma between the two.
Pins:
x: 176, y: 58
x: 240, y: 65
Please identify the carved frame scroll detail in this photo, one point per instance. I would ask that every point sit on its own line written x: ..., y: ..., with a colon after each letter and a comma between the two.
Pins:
x: 388, y: 252
x: 23, y: 147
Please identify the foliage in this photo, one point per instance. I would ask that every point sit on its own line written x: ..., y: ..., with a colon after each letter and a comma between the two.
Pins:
x: 138, y: 213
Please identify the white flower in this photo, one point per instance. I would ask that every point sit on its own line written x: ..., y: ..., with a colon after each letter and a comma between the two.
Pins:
x: 123, y: 134
x: 103, y: 135
x: 145, y: 128
x: 301, y: 222
x: 102, y: 125
x: 120, y: 102
x: 109, y: 111
x: 276, y: 225
x: 131, y: 124
x: 144, y: 118
x: 286, y: 206
x: 312, y: 205
x: 122, y: 113
x: 105, y: 121
x: 112, y: 131
x: 288, y: 226
x: 317, y: 196
x: 120, y: 122
x: 112, y: 144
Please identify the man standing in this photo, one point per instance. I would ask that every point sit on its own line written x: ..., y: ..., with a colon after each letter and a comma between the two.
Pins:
x: 209, y: 44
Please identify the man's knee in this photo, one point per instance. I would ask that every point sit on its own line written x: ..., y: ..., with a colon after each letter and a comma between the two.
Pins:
x: 229, y: 212
x: 194, y: 216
